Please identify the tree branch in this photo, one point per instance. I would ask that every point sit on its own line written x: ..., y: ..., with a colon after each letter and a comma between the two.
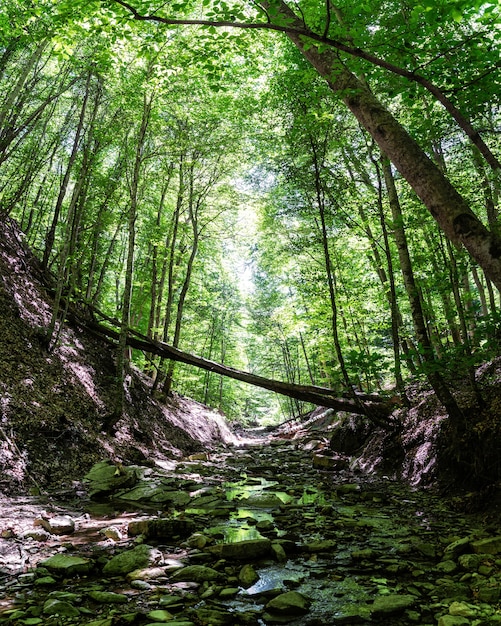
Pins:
x: 410, y: 75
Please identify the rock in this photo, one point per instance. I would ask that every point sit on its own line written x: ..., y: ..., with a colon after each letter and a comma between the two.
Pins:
x: 57, y: 525
x: 262, y: 501
x: 228, y: 592
x: 470, y: 562
x: 488, y: 591
x: 247, y: 550
x: 453, y: 620
x: 392, y: 603
x: 197, y: 540
x: 247, y: 576
x: 326, y: 462
x: 196, y: 573
x: 462, y: 609
x: 447, y: 567
x: 265, y: 526
x: 53, y: 606
x: 162, y: 528
x: 289, y: 603
x: 159, y: 615
x: 66, y: 565
x: 278, y: 552
x: 454, y: 549
x: 487, y: 546
x: 108, y: 597
x: 106, y: 477
x: 326, y: 545
x: 111, y: 532
x: 350, y: 433
x: 214, y: 617
x: 139, y: 557
x: 38, y: 534
x: 148, y: 573
x: 45, y: 581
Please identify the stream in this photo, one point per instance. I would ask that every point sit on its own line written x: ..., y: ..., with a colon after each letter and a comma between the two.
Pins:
x: 250, y: 535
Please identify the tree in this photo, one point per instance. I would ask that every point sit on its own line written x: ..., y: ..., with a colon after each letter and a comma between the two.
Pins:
x: 446, y: 205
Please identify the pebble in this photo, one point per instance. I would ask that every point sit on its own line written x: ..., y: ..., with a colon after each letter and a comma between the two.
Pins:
x: 344, y: 549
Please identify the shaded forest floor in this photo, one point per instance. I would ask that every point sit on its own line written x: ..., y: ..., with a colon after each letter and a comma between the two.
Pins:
x: 53, y: 406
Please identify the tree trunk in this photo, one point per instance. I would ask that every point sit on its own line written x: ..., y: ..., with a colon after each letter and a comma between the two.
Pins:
x: 434, y: 377
x: 121, y: 359
x: 442, y: 200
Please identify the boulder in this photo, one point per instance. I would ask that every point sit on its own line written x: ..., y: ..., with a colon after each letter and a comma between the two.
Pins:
x: 289, y: 603
x: 138, y: 558
x: 392, y: 603
x: 106, y: 477
x: 66, y: 565
x: 162, y: 528
x: 247, y: 550
x: 195, y: 573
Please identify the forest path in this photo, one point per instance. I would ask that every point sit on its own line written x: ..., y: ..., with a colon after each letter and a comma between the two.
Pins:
x: 252, y: 534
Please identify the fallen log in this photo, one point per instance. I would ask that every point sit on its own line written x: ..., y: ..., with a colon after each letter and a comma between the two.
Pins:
x: 378, y: 409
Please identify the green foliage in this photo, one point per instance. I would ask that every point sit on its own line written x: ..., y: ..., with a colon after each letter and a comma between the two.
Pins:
x: 243, y: 147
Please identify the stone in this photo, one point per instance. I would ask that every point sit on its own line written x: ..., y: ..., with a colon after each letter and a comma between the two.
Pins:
x: 325, y: 545
x: 148, y: 573
x: 247, y: 550
x: 228, y: 592
x: 488, y: 591
x: 456, y: 548
x: 108, y: 597
x: 487, y: 546
x: 262, y: 501
x: 112, y: 532
x: 139, y: 557
x: 195, y: 573
x: 470, y: 562
x: 447, y: 567
x: 160, y: 615
x: 45, y: 581
x: 392, y: 603
x: 326, y: 462
x: 170, y: 601
x: 278, y: 552
x: 197, y: 540
x: 162, y: 528
x: 106, y: 477
x: 289, y: 603
x: 453, y: 620
x: 265, y: 525
x: 247, y: 576
x: 53, y: 606
x: 462, y: 609
x: 214, y: 617
x: 67, y: 565
x: 57, y: 525
x: 38, y: 534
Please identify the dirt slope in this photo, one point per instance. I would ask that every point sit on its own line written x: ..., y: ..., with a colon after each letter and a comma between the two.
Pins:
x: 52, y: 405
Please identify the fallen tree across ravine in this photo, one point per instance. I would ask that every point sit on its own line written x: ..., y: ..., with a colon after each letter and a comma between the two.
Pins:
x: 374, y: 407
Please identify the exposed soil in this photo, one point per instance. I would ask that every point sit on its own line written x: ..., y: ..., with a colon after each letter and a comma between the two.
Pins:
x: 53, y: 404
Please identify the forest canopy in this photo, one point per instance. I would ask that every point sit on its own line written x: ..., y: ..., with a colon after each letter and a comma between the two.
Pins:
x: 307, y: 191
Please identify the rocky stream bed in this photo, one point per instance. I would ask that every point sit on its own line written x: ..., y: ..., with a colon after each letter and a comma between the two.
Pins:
x: 255, y: 534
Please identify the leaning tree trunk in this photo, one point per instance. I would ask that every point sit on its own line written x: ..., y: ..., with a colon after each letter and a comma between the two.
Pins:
x: 446, y: 205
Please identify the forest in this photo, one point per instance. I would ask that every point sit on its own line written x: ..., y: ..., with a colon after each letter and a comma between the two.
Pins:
x: 307, y: 192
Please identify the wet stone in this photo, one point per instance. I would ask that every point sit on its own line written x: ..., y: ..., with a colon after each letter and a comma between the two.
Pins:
x: 130, y: 560
x: 196, y: 573
x: 108, y: 597
x: 289, y: 603
x: 392, y: 603
x: 67, y: 565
